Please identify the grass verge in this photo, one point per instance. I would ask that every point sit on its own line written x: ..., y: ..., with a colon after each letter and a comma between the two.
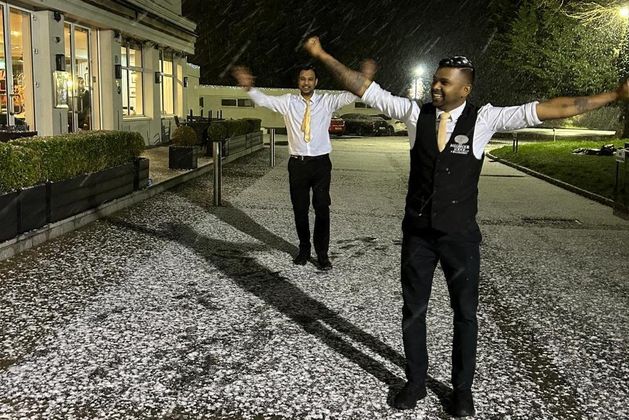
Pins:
x: 596, y: 174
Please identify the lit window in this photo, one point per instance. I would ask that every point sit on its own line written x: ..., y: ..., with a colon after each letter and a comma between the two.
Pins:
x: 168, y: 91
x: 132, y: 97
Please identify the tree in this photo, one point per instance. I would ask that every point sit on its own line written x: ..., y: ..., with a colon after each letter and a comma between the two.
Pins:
x: 542, y: 51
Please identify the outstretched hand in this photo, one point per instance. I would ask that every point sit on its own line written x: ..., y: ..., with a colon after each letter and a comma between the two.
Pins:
x: 313, y: 47
x: 623, y: 90
x: 243, y: 76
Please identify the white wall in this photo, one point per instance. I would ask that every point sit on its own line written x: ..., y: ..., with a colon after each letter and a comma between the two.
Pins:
x: 212, y: 96
x: 46, y: 31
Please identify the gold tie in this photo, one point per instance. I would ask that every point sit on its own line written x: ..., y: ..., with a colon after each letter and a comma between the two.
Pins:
x: 441, y: 134
x: 305, y: 124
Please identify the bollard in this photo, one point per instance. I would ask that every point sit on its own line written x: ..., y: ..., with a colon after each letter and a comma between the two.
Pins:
x: 554, y: 134
x: 272, y: 147
x: 218, y: 172
x: 515, y: 143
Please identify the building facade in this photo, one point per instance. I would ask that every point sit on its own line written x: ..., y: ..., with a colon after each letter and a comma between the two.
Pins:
x: 72, y: 65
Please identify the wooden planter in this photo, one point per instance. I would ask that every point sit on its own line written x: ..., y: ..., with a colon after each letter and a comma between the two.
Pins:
x: 31, y: 208
x: 141, y: 174
x: 83, y: 192
x: 8, y: 215
x: 182, y: 157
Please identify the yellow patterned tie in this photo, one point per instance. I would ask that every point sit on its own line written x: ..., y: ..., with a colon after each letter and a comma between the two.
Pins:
x: 305, y: 124
x: 441, y: 134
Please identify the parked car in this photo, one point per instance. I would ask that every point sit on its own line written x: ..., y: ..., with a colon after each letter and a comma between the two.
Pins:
x: 365, y: 125
x: 337, y: 125
x: 396, y: 127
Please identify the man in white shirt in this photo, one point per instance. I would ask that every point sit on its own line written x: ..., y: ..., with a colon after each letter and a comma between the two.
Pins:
x: 447, y: 139
x: 307, y: 117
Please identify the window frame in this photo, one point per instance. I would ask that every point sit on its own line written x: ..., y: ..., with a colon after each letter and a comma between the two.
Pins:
x: 163, y: 57
x: 126, y: 71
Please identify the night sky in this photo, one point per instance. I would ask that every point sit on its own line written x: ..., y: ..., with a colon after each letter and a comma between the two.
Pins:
x: 399, y: 34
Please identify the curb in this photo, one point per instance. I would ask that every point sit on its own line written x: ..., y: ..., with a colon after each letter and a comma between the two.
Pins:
x: 562, y: 184
x: 28, y: 240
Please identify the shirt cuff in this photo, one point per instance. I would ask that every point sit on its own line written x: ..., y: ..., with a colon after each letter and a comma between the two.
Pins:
x: 531, y: 114
x: 371, y: 91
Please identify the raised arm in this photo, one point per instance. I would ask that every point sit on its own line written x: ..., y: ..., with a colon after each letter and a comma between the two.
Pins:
x: 564, y: 107
x: 245, y: 79
x: 353, y: 81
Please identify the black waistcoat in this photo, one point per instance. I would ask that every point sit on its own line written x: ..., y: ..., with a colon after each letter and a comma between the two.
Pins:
x: 443, y: 187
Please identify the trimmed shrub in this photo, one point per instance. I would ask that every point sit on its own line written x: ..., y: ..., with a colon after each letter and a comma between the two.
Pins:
x: 185, y: 136
x: 19, y: 167
x: 69, y: 155
x: 217, y: 130
x: 233, y: 128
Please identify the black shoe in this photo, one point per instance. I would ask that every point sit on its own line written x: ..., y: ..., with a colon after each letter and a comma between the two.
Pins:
x: 301, y: 258
x: 461, y: 404
x: 408, y: 396
x: 324, y: 262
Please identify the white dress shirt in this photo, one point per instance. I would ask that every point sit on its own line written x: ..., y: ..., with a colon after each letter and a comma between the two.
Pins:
x: 293, y: 106
x: 490, y: 118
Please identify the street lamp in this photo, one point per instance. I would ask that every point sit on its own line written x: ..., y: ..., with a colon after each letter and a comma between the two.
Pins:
x: 417, y: 72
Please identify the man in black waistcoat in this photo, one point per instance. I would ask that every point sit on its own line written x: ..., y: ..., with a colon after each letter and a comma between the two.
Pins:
x: 447, y: 139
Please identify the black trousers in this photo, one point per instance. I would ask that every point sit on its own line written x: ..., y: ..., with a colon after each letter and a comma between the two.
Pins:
x: 460, y: 261
x: 315, y: 175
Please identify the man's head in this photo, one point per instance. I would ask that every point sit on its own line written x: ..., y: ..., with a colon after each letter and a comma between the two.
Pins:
x: 307, y: 81
x: 452, y: 82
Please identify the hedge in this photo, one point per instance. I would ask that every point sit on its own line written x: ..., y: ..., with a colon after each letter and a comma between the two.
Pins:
x: 29, y: 161
x: 19, y: 167
x: 233, y: 128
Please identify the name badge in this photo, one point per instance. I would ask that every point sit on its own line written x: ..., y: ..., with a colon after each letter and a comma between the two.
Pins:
x: 461, y: 145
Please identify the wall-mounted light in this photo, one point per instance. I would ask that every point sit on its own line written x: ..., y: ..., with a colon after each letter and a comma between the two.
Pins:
x: 60, y: 62
x: 118, y: 71
x: 185, y: 81
x: 158, y: 77
x: 56, y: 15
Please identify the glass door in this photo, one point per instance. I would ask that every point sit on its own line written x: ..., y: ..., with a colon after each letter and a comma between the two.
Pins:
x: 16, y: 69
x: 77, y: 52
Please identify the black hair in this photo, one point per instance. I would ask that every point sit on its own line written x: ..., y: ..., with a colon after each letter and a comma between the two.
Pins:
x: 306, y: 67
x: 462, y: 63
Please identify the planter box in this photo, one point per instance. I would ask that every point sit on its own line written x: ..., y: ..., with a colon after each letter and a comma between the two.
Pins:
x: 8, y: 215
x: 254, y: 139
x: 72, y: 196
x: 224, y: 149
x: 237, y: 143
x: 32, y: 208
x: 141, y: 174
x: 183, y: 157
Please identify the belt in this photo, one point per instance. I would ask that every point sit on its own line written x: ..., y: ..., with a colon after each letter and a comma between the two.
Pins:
x: 300, y: 157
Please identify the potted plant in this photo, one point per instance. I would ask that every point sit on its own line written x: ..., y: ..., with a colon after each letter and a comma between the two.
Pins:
x: 217, y: 132
x: 184, y: 151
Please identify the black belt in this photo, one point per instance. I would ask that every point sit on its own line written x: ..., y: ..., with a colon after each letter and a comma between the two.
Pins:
x: 309, y: 157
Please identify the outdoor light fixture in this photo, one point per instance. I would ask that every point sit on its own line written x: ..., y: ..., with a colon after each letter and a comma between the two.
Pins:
x: 158, y: 77
x: 60, y: 62
x: 418, y: 71
x: 624, y: 12
x: 118, y: 71
x: 185, y: 81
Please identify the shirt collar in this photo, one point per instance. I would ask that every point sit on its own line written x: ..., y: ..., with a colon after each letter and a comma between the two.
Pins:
x: 455, y: 113
x: 313, y: 99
